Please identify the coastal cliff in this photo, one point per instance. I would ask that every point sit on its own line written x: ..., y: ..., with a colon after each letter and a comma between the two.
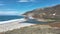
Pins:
x: 47, y: 12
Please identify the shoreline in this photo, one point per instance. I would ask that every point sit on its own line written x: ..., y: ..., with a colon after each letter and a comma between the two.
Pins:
x: 9, y: 21
x: 13, y: 24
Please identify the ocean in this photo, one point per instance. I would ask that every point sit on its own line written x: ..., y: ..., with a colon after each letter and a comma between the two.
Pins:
x: 9, y: 17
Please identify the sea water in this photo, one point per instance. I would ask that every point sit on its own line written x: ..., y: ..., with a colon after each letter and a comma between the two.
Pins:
x: 12, y: 18
x: 9, y: 17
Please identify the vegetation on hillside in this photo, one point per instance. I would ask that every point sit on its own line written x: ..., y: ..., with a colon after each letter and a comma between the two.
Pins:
x: 52, y: 13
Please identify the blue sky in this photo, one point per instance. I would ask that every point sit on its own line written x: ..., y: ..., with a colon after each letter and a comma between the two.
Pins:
x: 17, y: 7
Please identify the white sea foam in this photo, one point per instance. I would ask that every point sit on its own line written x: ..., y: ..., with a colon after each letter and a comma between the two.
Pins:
x: 21, y: 20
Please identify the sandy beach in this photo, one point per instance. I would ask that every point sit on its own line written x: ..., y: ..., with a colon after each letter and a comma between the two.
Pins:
x: 13, y: 24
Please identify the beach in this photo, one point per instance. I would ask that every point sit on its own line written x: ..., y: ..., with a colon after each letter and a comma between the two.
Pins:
x: 13, y: 24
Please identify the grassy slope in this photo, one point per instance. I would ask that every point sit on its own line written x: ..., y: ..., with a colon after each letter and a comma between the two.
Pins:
x: 36, y: 29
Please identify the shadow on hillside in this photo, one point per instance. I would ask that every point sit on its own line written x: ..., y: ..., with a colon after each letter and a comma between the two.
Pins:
x: 33, y: 21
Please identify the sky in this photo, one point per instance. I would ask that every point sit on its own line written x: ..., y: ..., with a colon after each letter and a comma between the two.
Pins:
x: 17, y: 7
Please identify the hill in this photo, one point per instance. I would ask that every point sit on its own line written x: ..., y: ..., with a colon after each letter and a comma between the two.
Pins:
x: 47, y: 12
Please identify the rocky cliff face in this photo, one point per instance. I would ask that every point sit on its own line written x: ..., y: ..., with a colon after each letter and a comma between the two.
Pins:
x: 49, y: 12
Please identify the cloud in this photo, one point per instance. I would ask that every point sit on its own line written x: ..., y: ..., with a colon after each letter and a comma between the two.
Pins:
x: 2, y: 4
x: 23, y: 1
x: 26, y: 0
x: 7, y: 9
x: 8, y: 13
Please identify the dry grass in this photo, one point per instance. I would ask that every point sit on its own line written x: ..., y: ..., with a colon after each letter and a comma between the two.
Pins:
x: 56, y: 24
x: 35, y: 29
